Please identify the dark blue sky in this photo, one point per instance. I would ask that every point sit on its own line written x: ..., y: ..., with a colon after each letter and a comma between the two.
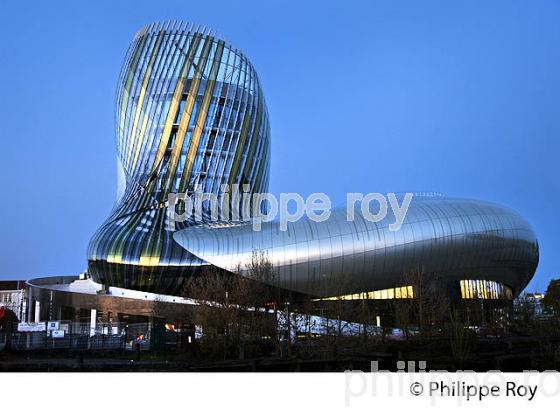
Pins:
x: 457, y: 97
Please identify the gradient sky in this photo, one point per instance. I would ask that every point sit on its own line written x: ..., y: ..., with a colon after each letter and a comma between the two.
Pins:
x: 456, y: 97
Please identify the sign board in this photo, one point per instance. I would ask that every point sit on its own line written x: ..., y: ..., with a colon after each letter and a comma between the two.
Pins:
x: 64, y: 327
x: 32, y: 327
x: 57, y: 334
x: 53, y: 326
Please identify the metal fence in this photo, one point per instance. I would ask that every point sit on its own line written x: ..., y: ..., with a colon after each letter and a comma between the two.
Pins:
x: 81, y: 336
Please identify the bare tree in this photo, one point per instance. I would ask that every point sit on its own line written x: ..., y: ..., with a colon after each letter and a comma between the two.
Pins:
x: 459, y: 338
x: 235, y: 308
x: 429, y: 305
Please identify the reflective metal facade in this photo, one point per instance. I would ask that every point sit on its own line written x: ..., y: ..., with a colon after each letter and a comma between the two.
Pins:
x: 189, y: 112
x: 455, y: 238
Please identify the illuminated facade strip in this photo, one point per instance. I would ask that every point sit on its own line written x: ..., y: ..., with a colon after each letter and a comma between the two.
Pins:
x: 401, y: 292
x: 484, y: 289
x: 470, y: 289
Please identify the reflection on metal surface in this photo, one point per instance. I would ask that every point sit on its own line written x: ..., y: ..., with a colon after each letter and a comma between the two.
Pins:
x: 455, y: 238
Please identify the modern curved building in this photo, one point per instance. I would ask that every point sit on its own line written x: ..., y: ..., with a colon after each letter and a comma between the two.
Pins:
x: 485, y: 249
x: 191, y: 115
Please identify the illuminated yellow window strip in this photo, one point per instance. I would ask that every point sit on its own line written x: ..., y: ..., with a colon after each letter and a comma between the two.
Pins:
x: 470, y: 289
x: 403, y: 292
x: 484, y: 289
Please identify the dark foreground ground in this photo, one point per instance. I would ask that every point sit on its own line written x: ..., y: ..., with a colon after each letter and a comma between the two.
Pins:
x: 506, y: 354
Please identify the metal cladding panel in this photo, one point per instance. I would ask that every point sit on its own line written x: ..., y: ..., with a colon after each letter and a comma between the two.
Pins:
x: 456, y: 238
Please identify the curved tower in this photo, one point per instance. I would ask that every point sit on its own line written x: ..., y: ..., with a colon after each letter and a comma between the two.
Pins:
x: 190, y: 114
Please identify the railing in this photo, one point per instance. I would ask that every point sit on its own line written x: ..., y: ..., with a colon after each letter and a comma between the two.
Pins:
x: 80, y: 336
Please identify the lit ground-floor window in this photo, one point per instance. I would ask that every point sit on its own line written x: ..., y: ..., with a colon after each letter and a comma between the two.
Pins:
x: 484, y: 289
